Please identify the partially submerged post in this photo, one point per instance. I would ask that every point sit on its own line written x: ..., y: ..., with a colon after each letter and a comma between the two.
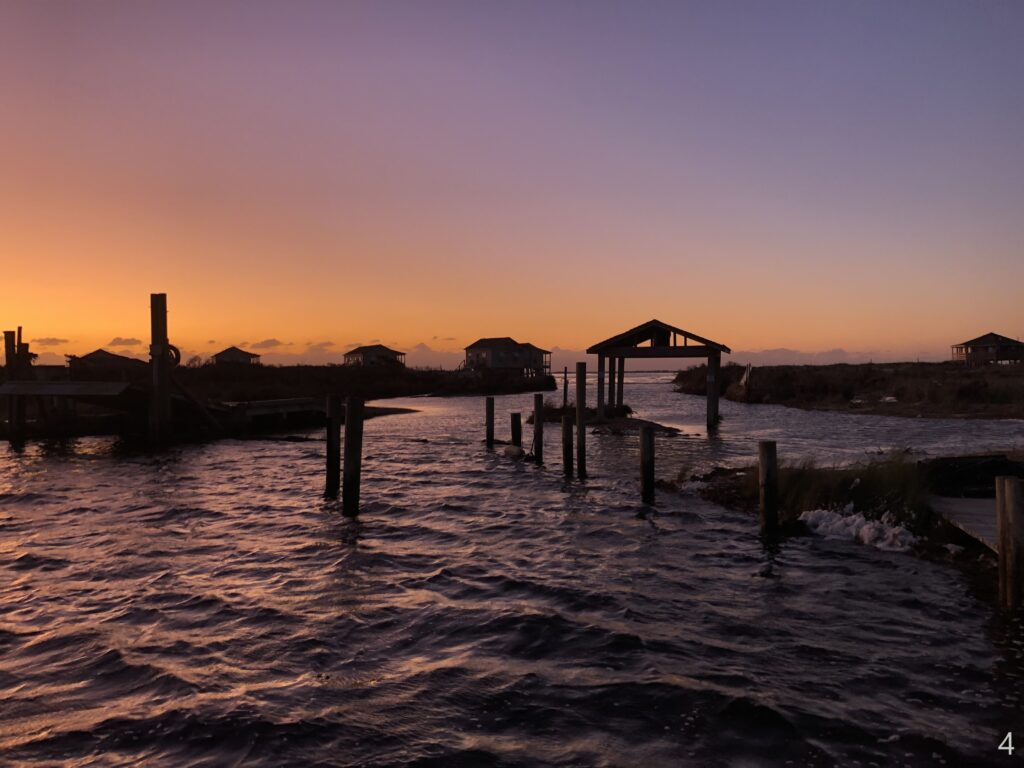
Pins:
x: 600, y: 387
x: 714, y: 368
x: 1010, y: 532
x: 768, y: 485
x: 353, y: 456
x: 565, y: 387
x: 517, y: 430
x: 490, y: 422
x: 333, y: 447
x: 11, y: 374
x: 647, y: 464
x: 159, y: 361
x: 620, y: 382
x: 611, y: 382
x: 581, y: 418
x: 538, y: 428
x: 567, y: 445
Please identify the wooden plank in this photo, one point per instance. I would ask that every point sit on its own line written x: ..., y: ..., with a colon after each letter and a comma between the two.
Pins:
x: 64, y: 388
x: 975, y: 517
x: 656, y: 352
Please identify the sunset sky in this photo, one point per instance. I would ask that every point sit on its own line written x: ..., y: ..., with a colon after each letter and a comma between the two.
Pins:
x: 809, y: 175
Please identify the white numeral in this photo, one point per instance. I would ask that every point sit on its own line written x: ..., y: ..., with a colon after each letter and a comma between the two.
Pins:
x: 1007, y: 745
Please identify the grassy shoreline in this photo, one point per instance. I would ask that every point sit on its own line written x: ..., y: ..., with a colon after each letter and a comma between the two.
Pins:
x: 933, y: 390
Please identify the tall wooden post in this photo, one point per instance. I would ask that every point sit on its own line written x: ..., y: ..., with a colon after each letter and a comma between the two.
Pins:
x: 517, y: 430
x: 11, y: 374
x: 565, y: 387
x: 489, y: 407
x: 353, y: 456
x: 581, y: 418
x: 1010, y: 540
x: 611, y: 381
x: 647, y: 464
x: 567, y: 445
x: 600, y: 387
x: 333, y: 447
x: 714, y: 371
x: 621, y: 382
x: 538, y: 428
x: 768, y: 485
x: 159, y: 362
x: 22, y: 372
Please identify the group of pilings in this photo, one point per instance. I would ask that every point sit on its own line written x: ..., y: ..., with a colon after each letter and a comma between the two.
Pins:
x: 345, y: 473
x: 17, y: 367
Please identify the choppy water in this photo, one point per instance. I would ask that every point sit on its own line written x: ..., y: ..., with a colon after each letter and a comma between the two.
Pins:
x: 205, y: 607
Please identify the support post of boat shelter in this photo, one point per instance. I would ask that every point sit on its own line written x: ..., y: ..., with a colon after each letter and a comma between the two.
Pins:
x: 714, y: 372
x: 1010, y: 540
x: 353, y: 456
x: 567, y: 444
x: 538, y: 428
x: 565, y: 387
x: 581, y: 418
x: 159, y: 362
x: 620, y: 384
x: 333, y: 484
x: 647, y: 464
x: 600, y: 387
x: 517, y: 430
x: 489, y: 410
x: 768, y: 485
x: 611, y: 382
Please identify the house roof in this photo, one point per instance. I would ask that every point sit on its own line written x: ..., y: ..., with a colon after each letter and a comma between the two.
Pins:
x: 503, y: 342
x: 645, y: 331
x: 235, y: 351
x: 534, y: 346
x: 991, y: 338
x: 106, y: 358
x: 373, y: 348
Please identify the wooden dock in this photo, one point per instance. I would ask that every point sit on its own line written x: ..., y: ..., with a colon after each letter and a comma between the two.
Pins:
x: 975, y: 517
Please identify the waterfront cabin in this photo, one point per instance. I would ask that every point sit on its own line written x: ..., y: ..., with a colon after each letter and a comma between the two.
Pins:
x: 100, y: 365
x: 507, y: 354
x: 235, y: 356
x: 375, y: 355
x: 990, y: 348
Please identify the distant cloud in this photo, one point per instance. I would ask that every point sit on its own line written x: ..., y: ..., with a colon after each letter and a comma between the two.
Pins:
x: 320, y: 346
x: 49, y: 341
x: 269, y: 344
x: 212, y: 341
x: 118, y: 341
x: 375, y: 341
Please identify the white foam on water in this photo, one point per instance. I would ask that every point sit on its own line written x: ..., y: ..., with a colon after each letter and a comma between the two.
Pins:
x: 882, y: 534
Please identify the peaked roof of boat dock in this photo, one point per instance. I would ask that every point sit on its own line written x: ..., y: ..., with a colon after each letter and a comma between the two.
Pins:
x: 648, y: 332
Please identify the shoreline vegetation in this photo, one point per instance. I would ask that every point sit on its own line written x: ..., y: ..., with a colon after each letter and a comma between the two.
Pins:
x: 930, y: 390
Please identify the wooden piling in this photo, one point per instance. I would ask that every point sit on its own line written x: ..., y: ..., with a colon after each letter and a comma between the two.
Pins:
x: 768, y: 485
x: 581, y: 418
x: 490, y: 422
x: 1010, y: 540
x: 159, y: 361
x: 565, y: 387
x: 538, y: 428
x: 353, y: 456
x: 647, y: 464
x: 621, y: 382
x: 567, y: 445
x: 333, y: 447
x: 611, y: 381
x: 714, y: 371
x: 600, y: 387
x: 517, y: 430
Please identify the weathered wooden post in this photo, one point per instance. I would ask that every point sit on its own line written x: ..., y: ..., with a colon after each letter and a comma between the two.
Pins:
x: 333, y: 447
x: 612, y: 362
x: 714, y: 371
x: 620, y: 382
x: 768, y: 485
x: 517, y: 430
x: 353, y: 456
x: 647, y: 464
x: 538, y: 428
x: 567, y: 445
x: 565, y: 387
x: 10, y: 374
x: 600, y: 387
x: 490, y: 422
x: 1010, y: 540
x: 159, y: 361
x: 581, y: 419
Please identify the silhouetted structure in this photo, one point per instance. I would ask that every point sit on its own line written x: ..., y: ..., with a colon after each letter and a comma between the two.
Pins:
x: 505, y: 353
x: 236, y: 356
x: 374, y: 354
x: 107, y: 366
x: 990, y: 348
x: 655, y: 339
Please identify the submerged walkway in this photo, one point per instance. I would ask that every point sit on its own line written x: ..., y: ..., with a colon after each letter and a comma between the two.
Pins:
x: 975, y: 517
